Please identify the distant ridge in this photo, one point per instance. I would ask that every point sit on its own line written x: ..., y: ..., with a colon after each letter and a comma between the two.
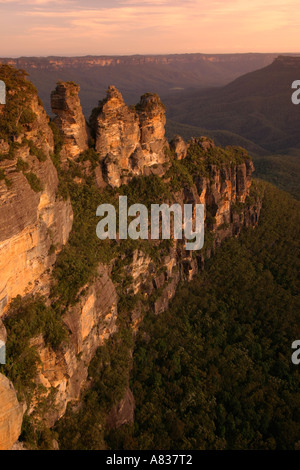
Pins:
x: 132, y: 75
x: 107, y: 61
x: 256, y: 106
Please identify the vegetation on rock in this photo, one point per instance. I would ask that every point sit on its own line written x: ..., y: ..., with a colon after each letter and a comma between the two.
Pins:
x: 16, y: 113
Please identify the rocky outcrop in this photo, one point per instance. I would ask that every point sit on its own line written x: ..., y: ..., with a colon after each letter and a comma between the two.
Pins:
x: 179, y: 147
x: 204, y: 142
x: 130, y: 141
x: 225, y: 186
x: 152, y: 118
x: 3, y: 333
x: 90, y: 323
x: 34, y: 222
x: 11, y: 414
x: 66, y: 105
x: 224, y: 193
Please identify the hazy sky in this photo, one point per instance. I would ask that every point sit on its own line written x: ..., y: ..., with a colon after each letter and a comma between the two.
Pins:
x: 77, y: 27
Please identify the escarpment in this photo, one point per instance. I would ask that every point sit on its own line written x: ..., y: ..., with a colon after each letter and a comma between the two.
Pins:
x: 125, y: 280
x: 90, y: 323
x: 34, y: 221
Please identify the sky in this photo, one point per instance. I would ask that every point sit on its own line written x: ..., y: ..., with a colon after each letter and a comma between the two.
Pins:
x: 123, y: 27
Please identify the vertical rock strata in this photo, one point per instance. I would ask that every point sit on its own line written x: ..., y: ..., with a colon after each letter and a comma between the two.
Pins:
x: 11, y: 414
x: 34, y: 222
x: 66, y: 105
x: 90, y: 323
x: 130, y: 141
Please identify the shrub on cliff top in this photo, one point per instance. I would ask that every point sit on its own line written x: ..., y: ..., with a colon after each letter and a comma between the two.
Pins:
x: 199, y: 159
x: 19, y: 92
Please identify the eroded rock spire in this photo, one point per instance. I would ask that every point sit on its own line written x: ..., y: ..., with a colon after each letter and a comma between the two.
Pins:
x: 70, y: 120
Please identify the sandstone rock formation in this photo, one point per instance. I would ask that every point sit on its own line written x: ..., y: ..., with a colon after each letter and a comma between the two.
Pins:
x: 11, y: 414
x: 34, y: 222
x: 66, y: 105
x: 179, y: 147
x: 129, y: 141
x: 152, y: 117
x: 225, y: 186
x: 90, y: 323
x: 205, y: 142
x: 3, y: 333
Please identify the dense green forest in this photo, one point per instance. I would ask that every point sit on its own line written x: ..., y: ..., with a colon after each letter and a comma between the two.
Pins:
x: 281, y: 170
x: 215, y: 370
x: 256, y: 106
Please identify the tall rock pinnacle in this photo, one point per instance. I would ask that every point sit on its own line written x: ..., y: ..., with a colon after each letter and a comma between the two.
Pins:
x: 66, y: 105
x: 130, y: 140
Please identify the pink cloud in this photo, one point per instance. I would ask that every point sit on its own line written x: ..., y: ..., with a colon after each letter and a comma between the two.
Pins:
x: 159, y: 26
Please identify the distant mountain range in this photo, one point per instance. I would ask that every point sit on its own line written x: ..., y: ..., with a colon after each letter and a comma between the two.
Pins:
x: 132, y: 75
x: 254, y: 111
x: 256, y: 106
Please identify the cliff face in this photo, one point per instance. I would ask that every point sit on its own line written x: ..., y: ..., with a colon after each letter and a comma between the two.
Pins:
x: 66, y: 105
x: 220, y: 192
x: 129, y: 141
x: 90, y: 323
x: 225, y: 186
x: 35, y: 223
x: 11, y: 414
